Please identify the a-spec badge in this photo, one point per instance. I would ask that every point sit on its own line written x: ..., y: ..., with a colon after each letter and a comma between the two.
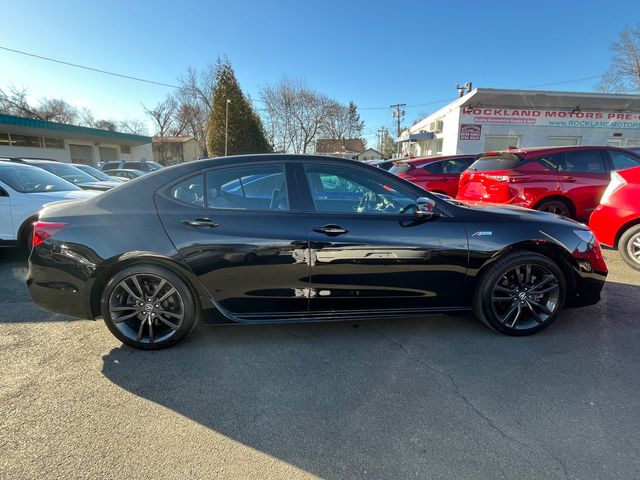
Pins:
x: 482, y: 234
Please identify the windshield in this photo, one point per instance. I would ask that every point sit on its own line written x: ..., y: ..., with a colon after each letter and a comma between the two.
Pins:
x: 68, y: 172
x: 401, y: 167
x: 502, y: 161
x: 25, y: 179
x: 94, y: 172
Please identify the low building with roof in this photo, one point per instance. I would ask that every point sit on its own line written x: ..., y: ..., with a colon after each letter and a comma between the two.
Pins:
x: 340, y: 147
x: 29, y: 137
x: 487, y: 119
x: 177, y: 149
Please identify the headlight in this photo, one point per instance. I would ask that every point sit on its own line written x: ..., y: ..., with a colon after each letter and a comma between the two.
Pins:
x: 585, y: 235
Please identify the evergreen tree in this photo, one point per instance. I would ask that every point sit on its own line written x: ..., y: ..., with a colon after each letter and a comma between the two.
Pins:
x: 245, y: 130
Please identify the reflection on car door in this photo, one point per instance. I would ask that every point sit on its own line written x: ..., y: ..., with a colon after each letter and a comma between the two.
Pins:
x: 584, y: 177
x: 244, y: 242
x: 366, y: 254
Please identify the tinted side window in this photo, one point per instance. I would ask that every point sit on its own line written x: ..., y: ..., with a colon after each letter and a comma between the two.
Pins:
x: 134, y: 166
x: 583, y: 161
x: 254, y: 187
x: 189, y: 191
x: 434, y: 167
x: 550, y: 161
x: 456, y: 165
x: 345, y: 190
x: 623, y: 160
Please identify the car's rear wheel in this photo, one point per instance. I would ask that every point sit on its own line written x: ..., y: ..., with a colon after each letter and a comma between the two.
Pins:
x: 520, y: 294
x: 629, y: 247
x: 555, y: 205
x: 148, y: 307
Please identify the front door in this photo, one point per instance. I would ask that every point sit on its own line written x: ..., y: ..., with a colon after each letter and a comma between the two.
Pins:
x: 368, y: 250
x: 237, y: 229
x: 6, y: 222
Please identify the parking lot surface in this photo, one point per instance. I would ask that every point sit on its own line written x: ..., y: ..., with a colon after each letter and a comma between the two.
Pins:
x: 440, y: 397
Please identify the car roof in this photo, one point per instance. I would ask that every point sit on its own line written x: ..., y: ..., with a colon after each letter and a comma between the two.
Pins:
x: 434, y: 158
x: 125, y: 170
x: 526, y: 151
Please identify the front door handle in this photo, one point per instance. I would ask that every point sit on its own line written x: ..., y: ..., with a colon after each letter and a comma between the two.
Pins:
x: 201, y: 222
x: 330, y: 230
x: 569, y: 179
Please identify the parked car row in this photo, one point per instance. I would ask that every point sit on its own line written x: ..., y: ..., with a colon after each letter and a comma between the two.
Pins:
x: 27, y: 184
x: 588, y: 183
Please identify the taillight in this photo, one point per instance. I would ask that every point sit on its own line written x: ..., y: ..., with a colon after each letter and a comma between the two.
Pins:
x: 517, y: 178
x: 616, y: 182
x: 43, y: 230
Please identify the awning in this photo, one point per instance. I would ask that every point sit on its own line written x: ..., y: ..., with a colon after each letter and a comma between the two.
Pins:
x: 415, y: 137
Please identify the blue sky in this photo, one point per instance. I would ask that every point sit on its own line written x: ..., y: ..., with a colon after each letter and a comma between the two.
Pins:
x: 375, y: 53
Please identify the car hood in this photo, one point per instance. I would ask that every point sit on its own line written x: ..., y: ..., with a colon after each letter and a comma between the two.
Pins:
x: 47, y: 198
x: 513, y: 211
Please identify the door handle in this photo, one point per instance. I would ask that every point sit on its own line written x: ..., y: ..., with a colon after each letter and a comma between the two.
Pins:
x: 331, y: 230
x: 569, y: 179
x: 201, y: 222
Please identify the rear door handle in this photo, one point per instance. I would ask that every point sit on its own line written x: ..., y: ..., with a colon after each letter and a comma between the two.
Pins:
x: 201, y: 222
x: 569, y: 179
x: 331, y: 230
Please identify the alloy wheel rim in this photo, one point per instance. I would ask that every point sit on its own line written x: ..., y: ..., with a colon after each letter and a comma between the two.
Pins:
x: 146, y: 308
x: 633, y: 247
x: 526, y: 296
x: 556, y: 208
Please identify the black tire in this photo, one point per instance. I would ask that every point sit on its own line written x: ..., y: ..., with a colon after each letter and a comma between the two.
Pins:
x: 495, y: 297
x: 148, y: 328
x: 557, y: 206
x: 629, y: 247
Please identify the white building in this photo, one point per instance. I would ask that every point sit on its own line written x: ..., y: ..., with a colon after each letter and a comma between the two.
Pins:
x: 28, y: 137
x: 488, y: 119
x: 369, y: 154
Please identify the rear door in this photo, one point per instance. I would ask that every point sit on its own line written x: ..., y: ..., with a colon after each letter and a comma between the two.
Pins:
x: 367, y: 249
x: 240, y: 231
x: 448, y: 174
x: 584, y: 175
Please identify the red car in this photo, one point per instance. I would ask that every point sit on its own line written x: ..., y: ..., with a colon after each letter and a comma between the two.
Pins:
x: 436, y: 174
x: 568, y: 181
x: 616, y: 221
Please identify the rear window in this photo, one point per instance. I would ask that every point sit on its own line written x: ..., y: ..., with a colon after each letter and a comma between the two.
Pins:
x: 503, y: 161
x: 401, y: 167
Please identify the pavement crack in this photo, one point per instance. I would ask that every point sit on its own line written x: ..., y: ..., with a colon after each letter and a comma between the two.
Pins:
x: 456, y: 389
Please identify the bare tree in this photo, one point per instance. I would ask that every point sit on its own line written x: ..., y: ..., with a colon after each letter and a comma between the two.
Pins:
x: 624, y: 72
x: 134, y: 126
x: 57, y: 110
x: 164, y: 116
x: 16, y: 102
x: 293, y: 115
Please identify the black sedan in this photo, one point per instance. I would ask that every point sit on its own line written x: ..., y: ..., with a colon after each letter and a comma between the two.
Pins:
x: 275, y: 238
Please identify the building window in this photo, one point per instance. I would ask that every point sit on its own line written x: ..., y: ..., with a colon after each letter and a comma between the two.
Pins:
x: 25, y: 141
x: 630, y: 142
x: 125, y: 149
x: 439, y: 146
x: 562, y: 141
x: 53, y: 142
x: 4, y: 139
x: 500, y: 142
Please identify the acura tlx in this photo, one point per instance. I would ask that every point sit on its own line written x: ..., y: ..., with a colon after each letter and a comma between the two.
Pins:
x: 284, y: 238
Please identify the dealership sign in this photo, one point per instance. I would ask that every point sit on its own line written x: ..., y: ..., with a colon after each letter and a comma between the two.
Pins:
x: 470, y: 132
x: 550, y: 118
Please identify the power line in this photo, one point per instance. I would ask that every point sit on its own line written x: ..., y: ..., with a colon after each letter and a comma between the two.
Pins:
x: 129, y: 77
x: 566, y: 81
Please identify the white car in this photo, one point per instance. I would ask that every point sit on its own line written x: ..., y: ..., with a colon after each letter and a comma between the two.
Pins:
x: 24, y: 190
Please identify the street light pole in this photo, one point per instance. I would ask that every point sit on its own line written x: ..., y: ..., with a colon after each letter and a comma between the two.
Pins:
x: 226, y: 128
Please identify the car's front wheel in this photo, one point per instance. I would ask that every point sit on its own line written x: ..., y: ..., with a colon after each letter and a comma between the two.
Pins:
x: 520, y: 294
x: 148, y: 307
x: 629, y: 247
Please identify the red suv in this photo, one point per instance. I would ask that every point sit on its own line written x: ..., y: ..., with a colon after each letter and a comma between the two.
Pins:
x: 436, y: 174
x: 616, y: 221
x: 568, y: 181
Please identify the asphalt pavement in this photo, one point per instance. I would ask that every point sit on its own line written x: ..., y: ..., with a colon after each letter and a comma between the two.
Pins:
x: 432, y: 398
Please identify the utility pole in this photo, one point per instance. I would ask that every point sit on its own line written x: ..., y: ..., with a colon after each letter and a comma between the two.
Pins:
x: 398, y: 114
x: 226, y: 127
x: 380, y: 138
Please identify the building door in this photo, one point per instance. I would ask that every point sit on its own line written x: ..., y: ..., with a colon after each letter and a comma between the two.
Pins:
x: 81, y: 154
x: 108, y: 154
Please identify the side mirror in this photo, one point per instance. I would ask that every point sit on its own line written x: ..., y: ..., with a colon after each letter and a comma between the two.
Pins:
x: 425, y: 207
